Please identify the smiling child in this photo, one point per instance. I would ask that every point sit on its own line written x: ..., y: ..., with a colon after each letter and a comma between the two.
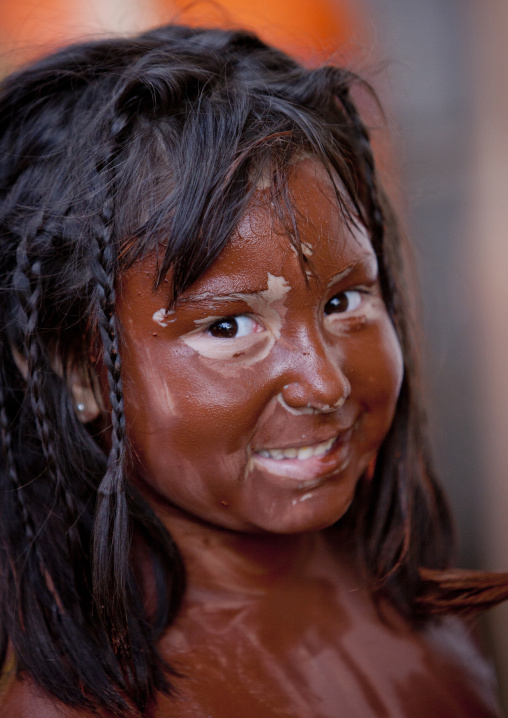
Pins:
x: 217, y: 497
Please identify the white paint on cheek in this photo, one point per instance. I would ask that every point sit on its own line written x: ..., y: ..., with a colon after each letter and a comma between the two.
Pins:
x: 249, y: 464
x: 161, y: 317
x: 372, y: 309
x: 162, y: 397
x: 267, y: 306
x: 170, y: 402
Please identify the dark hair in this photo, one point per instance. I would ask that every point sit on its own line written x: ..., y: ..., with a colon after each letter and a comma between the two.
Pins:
x: 110, y: 150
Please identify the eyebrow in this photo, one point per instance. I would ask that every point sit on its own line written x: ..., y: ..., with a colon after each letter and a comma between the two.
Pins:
x: 364, y: 265
x: 222, y: 296
x: 239, y: 296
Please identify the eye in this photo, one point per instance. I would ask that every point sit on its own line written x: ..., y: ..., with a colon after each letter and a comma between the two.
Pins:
x: 234, y: 327
x: 344, y: 302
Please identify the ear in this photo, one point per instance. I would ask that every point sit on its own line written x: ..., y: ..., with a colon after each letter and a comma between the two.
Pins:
x: 84, y: 391
x: 84, y: 397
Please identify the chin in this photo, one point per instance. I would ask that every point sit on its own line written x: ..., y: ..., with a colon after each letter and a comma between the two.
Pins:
x: 312, y: 510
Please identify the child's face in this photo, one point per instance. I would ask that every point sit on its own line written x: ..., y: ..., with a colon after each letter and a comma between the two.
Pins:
x: 222, y: 395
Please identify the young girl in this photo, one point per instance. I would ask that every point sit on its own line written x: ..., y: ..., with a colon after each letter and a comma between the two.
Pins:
x: 216, y: 494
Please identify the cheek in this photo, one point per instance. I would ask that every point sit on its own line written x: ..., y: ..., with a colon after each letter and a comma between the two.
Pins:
x: 182, y: 412
x: 377, y: 369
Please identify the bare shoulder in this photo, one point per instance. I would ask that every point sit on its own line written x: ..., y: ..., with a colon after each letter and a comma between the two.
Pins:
x: 456, y: 641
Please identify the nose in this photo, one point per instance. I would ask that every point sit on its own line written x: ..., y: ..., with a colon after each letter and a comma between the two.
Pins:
x: 317, y: 381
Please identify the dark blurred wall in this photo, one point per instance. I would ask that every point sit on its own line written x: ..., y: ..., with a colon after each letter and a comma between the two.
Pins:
x: 445, y: 87
x: 426, y: 85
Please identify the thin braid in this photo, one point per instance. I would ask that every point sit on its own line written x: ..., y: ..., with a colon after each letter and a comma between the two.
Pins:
x: 12, y: 472
x: 29, y: 291
x: 23, y: 290
x: 111, y: 530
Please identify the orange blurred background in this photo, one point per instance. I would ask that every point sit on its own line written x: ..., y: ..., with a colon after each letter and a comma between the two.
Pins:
x: 313, y: 29
x: 440, y: 70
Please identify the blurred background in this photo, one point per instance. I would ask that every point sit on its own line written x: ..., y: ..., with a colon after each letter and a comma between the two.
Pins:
x: 440, y: 69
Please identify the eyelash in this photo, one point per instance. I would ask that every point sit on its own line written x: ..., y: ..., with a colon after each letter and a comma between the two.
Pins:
x: 227, y: 327
x: 360, y: 291
x: 231, y: 320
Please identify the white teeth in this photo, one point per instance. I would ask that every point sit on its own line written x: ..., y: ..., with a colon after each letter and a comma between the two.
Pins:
x: 304, y: 452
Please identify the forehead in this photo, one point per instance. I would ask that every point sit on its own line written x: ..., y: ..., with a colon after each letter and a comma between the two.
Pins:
x: 261, y: 245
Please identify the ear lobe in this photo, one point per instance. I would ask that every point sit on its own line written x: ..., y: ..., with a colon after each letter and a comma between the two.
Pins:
x: 84, y: 398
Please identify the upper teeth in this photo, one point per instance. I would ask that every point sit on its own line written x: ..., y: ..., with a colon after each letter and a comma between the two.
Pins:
x: 304, y: 452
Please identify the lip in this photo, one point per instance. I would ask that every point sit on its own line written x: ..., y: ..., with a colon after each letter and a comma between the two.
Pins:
x: 306, y: 473
x: 308, y: 440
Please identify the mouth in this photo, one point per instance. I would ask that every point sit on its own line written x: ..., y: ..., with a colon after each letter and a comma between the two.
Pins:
x: 300, y: 453
x: 308, y: 465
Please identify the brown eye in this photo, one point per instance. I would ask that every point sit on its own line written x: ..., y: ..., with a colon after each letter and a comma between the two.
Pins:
x: 343, y: 302
x: 234, y: 327
x: 226, y: 328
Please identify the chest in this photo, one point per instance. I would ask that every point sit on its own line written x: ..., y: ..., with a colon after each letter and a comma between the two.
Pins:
x: 315, y: 651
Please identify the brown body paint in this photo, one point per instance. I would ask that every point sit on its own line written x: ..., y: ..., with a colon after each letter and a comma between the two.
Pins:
x: 278, y: 620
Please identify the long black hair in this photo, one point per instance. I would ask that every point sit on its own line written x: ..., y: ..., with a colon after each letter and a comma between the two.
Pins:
x: 110, y: 150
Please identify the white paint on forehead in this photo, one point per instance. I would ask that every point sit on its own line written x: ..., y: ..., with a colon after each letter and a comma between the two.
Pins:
x: 162, y: 317
x: 265, y: 178
x: 306, y: 249
x: 277, y: 288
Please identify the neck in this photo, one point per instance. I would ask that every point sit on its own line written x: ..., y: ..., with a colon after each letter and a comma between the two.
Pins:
x: 221, y: 560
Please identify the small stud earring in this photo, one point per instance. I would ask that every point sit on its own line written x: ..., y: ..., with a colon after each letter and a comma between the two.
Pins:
x: 80, y: 407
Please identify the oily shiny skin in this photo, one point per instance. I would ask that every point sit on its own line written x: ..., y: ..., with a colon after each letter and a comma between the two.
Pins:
x: 200, y: 408
x: 287, y: 632
x: 309, y: 642
x: 277, y: 621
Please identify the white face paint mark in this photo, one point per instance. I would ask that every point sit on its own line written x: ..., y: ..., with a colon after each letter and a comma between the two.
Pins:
x: 370, y: 310
x: 152, y: 375
x: 269, y: 303
x: 305, y: 497
x: 161, y: 317
x: 325, y: 409
x: 306, y: 249
x: 265, y: 179
x: 170, y: 402
x: 268, y: 310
